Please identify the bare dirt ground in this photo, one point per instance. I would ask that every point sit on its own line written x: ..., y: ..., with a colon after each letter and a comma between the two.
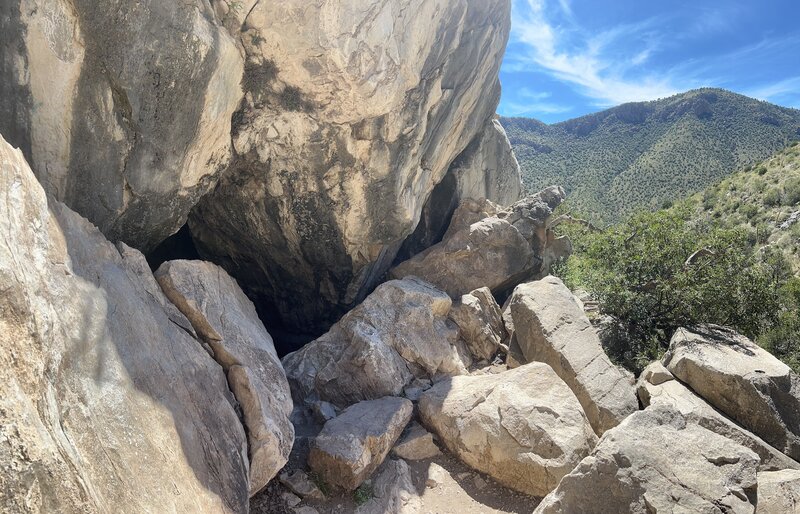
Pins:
x: 453, y: 489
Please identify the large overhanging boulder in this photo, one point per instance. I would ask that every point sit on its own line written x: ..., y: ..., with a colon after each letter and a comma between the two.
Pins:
x: 353, y: 113
x: 486, y: 170
x: 107, y: 402
x: 124, y: 110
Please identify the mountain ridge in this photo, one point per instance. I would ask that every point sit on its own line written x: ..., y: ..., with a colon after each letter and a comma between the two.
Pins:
x: 640, y: 155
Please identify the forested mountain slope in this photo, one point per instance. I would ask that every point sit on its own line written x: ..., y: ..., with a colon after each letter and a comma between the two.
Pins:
x: 764, y: 199
x: 641, y: 155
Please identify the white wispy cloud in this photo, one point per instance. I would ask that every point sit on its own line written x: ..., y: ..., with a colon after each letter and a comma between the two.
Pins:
x: 591, y: 62
x: 775, y: 91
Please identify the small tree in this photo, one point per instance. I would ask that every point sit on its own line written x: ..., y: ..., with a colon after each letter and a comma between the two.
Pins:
x: 659, y: 271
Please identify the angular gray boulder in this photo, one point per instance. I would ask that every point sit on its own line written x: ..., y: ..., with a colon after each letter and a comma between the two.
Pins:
x: 654, y: 461
x: 497, y: 252
x: 550, y: 326
x: 352, y: 115
x: 226, y: 321
x: 488, y: 168
x: 779, y: 492
x: 352, y: 445
x: 107, y: 402
x: 742, y: 380
x: 480, y: 323
x: 657, y: 387
x: 393, y: 491
x: 522, y: 427
x: 124, y: 112
x: 398, y: 333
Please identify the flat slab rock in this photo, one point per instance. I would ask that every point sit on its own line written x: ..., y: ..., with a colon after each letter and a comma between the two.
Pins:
x: 657, y: 387
x: 416, y: 444
x: 656, y: 461
x: 352, y: 445
x: 741, y: 379
x: 523, y: 427
x: 550, y: 326
x: 226, y: 320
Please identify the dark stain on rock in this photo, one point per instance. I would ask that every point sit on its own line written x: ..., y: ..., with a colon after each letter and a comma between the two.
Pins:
x: 16, y: 101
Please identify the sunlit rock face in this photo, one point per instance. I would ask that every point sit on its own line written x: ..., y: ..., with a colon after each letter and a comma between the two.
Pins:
x: 108, y: 403
x: 123, y: 109
x: 353, y: 112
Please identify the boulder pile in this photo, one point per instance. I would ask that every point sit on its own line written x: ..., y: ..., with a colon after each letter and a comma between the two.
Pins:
x: 338, y: 174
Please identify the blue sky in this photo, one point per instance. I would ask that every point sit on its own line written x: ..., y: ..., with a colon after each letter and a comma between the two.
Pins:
x: 567, y: 58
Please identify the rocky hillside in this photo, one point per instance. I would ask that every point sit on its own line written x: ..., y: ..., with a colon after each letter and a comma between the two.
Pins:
x: 641, y: 155
x: 763, y: 199
x: 333, y: 168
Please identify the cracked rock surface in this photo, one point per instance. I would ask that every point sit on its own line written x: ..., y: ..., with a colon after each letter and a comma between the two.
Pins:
x: 741, y: 379
x: 523, y: 427
x: 654, y: 461
x: 226, y: 320
x: 107, y: 403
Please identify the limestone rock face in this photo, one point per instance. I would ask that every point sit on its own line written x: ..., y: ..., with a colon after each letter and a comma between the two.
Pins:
x: 486, y: 171
x: 480, y: 322
x: 353, y: 112
x: 488, y: 168
x: 352, y: 445
x: 523, y: 427
x: 400, y: 331
x: 125, y: 112
x: 779, y: 492
x: 742, y: 380
x: 550, y: 326
x: 497, y: 252
x: 226, y: 320
x: 657, y: 387
x: 103, y: 393
x: 654, y: 461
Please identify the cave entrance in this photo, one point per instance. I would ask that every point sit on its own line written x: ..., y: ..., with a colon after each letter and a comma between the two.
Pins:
x: 181, y: 246
x: 178, y: 246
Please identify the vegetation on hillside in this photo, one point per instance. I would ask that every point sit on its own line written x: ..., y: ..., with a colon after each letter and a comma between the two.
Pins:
x: 728, y: 255
x: 641, y: 155
x: 763, y: 199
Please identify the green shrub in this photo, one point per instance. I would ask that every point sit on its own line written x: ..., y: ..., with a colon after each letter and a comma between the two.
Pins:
x: 772, y: 197
x: 643, y: 277
x: 791, y: 191
x: 363, y: 494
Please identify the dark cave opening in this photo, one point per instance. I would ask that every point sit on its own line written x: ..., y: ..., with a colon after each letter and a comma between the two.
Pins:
x: 434, y: 219
x: 179, y: 245
x: 286, y: 339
